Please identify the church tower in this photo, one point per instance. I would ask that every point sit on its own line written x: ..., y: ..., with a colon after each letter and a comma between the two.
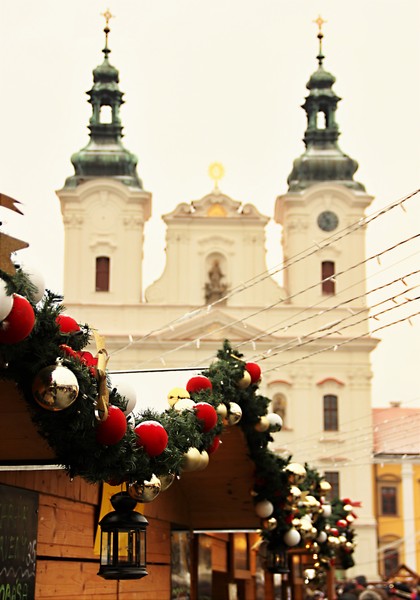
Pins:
x: 322, y: 201
x: 104, y: 205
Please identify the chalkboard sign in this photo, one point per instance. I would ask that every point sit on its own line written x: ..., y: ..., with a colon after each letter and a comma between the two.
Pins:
x: 18, y: 531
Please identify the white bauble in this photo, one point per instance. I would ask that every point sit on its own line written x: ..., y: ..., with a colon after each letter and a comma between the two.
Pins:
x: 6, y: 302
x: 276, y: 422
x: 204, y: 461
x: 36, y: 278
x: 124, y: 388
x: 264, y: 509
x: 192, y: 460
x: 291, y: 537
x: 322, y: 537
x: 184, y: 404
x: 326, y: 510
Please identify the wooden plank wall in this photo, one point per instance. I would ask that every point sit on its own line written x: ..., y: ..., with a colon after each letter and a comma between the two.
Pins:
x: 67, y: 521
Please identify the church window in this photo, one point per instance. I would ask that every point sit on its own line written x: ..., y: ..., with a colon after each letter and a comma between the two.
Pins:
x: 321, y: 120
x: 279, y: 406
x: 388, y: 497
x: 330, y: 402
x: 333, y: 478
x: 391, y: 561
x: 102, y: 274
x: 327, y: 276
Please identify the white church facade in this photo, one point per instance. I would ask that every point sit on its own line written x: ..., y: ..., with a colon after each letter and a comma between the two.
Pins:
x: 310, y: 336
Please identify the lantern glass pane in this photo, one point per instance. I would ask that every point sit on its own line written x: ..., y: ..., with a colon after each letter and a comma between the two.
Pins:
x: 106, y: 548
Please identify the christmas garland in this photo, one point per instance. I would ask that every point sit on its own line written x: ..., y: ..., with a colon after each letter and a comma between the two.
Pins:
x: 94, y: 435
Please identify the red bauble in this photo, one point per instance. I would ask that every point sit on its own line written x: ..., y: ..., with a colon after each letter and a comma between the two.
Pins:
x: 112, y: 430
x: 87, y: 358
x: 151, y: 436
x: 198, y: 383
x: 19, y: 322
x: 67, y: 324
x: 207, y: 414
x: 214, y: 445
x: 254, y: 370
x: 334, y: 531
x: 341, y: 523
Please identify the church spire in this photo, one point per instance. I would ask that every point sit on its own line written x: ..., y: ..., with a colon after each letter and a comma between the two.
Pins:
x: 323, y: 160
x: 105, y: 155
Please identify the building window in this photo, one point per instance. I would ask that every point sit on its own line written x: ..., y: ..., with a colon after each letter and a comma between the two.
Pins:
x: 391, y: 561
x: 388, y: 496
x: 330, y: 412
x: 328, y: 272
x: 279, y: 406
x: 333, y: 478
x: 102, y: 274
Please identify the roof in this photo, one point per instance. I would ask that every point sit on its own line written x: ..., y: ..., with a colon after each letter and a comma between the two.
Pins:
x: 396, y: 430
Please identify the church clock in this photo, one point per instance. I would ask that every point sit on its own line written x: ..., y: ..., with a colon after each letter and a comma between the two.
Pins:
x: 327, y: 220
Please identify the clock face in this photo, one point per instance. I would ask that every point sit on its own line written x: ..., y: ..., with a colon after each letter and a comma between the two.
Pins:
x: 327, y: 220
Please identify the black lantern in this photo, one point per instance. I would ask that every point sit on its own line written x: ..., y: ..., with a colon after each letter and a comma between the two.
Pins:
x: 277, y: 560
x: 123, y: 540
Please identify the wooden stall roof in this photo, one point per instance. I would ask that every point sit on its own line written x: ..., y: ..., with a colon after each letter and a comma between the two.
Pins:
x: 216, y: 498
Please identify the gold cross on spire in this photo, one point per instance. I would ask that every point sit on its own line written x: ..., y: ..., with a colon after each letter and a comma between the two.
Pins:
x: 320, y: 22
x: 108, y: 16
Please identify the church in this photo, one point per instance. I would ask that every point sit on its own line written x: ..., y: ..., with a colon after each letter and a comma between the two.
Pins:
x: 310, y: 334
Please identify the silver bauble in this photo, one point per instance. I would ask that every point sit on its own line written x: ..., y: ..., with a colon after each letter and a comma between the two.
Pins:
x: 166, y: 481
x: 145, y: 491
x: 55, y: 388
x: 235, y: 413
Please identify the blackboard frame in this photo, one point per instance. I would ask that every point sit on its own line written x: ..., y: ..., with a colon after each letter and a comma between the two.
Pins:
x: 18, y: 539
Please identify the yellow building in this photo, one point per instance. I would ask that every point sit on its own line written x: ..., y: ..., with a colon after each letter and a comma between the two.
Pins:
x: 397, y: 483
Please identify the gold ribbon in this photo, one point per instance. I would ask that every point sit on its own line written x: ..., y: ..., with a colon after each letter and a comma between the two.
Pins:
x: 103, y: 392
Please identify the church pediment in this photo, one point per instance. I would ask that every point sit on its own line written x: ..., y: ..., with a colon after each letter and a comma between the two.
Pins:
x: 215, y: 206
x: 214, y: 325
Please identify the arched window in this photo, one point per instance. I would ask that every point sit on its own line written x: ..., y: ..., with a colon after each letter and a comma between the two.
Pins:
x: 279, y: 406
x: 391, y: 561
x: 102, y: 274
x: 327, y: 277
x: 330, y: 409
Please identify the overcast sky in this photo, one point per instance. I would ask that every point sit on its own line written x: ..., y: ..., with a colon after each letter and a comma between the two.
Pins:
x: 218, y: 80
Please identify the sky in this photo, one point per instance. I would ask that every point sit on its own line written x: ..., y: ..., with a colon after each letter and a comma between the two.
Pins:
x: 220, y: 81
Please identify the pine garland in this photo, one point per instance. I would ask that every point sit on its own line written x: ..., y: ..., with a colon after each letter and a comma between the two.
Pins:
x: 71, y: 432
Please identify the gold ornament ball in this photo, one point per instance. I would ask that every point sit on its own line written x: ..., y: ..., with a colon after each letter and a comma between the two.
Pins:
x: 55, y: 388
x: 245, y: 381
x: 269, y: 524
x: 262, y: 425
x: 235, y: 413
x: 222, y: 410
x: 145, y: 491
x: 176, y: 394
x: 184, y: 404
x: 348, y: 508
x: 204, y: 461
x: 295, y: 492
x: 325, y: 486
x: 296, y: 473
x: 166, y: 481
x: 192, y: 460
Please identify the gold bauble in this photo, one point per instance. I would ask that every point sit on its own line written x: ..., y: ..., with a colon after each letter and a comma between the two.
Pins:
x: 269, y: 524
x: 296, y: 473
x: 145, y: 491
x: 235, y: 413
x: 222, y: 410
x: 245, y: 381
x: 295, y: 492
x: 204, y: 461
x: 191, y: 460
x: 348, y: 508
x: 176, y: 394
x: 55, y: 388
x: 325, y: 486
x: 262, y: 425
x: 166, y: 481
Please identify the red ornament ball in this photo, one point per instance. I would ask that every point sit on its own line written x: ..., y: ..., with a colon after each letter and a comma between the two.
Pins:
x: 198, y: 383
x: 151, y: 436
x: 19, y: 322
x: 112, y: 430
x: 254, y: 370
x: 87, y: 358
x: 341, y: 523
x: 67, y: 324
x: 207, y: 414
x: 214, y: 445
